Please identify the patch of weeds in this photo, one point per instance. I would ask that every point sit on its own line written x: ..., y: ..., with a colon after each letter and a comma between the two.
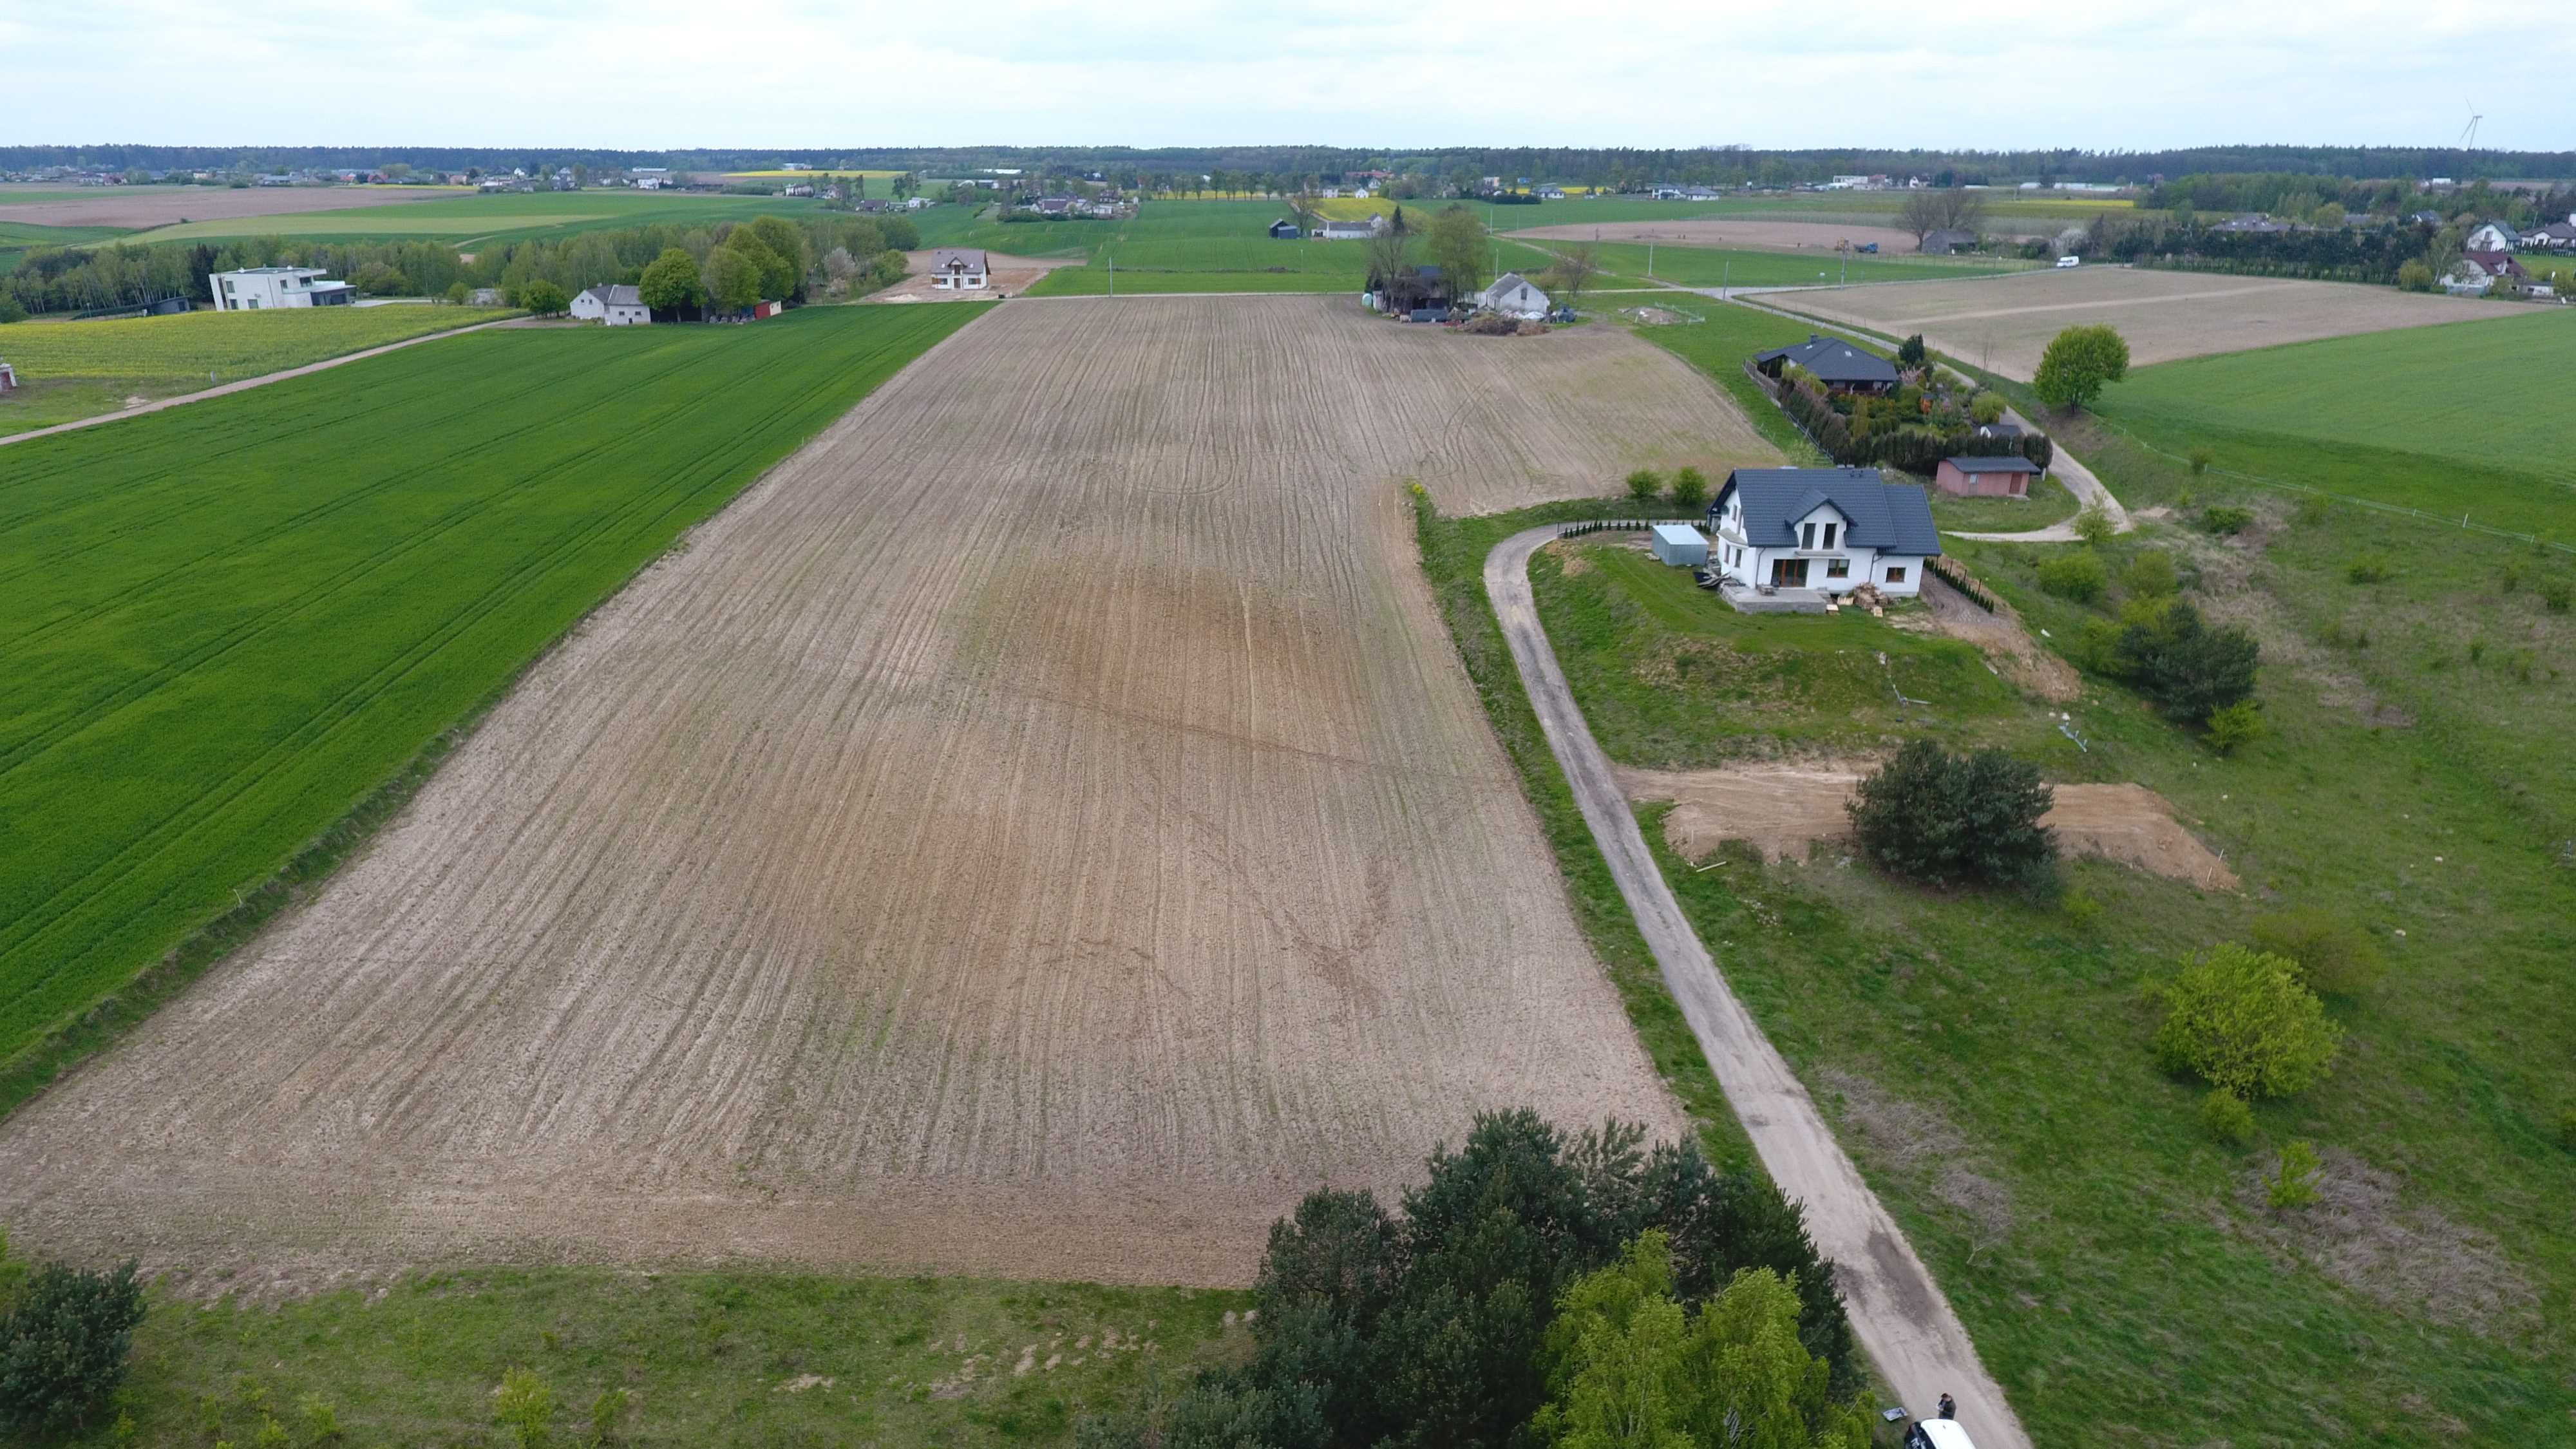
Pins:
x: 2369, y: 568
x: 2226, y: 519
x: 2293, y: 1183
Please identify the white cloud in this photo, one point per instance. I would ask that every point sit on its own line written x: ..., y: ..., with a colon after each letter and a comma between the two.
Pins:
x: 666, y: 73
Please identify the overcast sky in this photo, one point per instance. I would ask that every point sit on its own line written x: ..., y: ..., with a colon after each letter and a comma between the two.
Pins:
x: 653, y: 74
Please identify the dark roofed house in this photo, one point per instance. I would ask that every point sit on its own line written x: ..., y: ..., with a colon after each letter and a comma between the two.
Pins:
x: 1285, y: 230
x: 1418, y: 294
x: 1829, y: 530
x: 1839, y: 365
x: 1985, y: 477
x: 1947, y: 243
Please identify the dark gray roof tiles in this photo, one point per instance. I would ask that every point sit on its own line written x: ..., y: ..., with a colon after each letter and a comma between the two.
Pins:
x: 1833, y: 360
x: 1894, y: 517
x: 1993, y: 465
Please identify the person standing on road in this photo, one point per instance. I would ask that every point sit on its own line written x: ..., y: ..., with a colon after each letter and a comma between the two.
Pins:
x: 1949, y: 1408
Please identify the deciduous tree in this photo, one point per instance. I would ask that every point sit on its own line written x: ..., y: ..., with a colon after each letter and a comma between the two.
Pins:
x: 670, y: 282
x: 2079, y: 363
x: 1456, y: 245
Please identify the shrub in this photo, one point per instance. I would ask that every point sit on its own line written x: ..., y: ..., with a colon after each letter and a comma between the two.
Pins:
x: 2313, y: 509
x: 2238, y: 1019
x: 544, y: 298
x: 605, y: 1413
x: 2235, y: 726
x: 2150, y: 575
x: 2077, y: 576
x: 321, y: 1420
x: 2226, y: 519
x: 2192, y: 671
x: 1690, y: 488
x: 1987, y: 407
x: 2200, y: 459
x: 2414, y: 276
x: 1946, y: 819
x: 525, y: 1407
x: 2368, y: 568
x: 2094, y: 525
x: 64, y: 1344
x: 1910, y: 352
x: 2226, y: 1117
x: 2293, y: 1184
x: 2557, y: 595
x: 2083, y: 910
x: 2078, y: 364
x: 2333, y: 956
x: 1645, y: 485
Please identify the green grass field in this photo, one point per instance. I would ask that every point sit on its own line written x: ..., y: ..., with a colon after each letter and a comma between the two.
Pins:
x: 2467, y: 418
x: 80, y: 369
x: 1985, y: 1056
x: 1718, y: 266
x: 231, y: 622
x: 17, y: 239
x: 1718, y: 346
x: 1848, y: 208
x: 703, y: 1358
x: 500, y: 217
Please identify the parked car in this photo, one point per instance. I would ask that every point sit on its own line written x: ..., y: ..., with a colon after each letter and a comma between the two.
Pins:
x: 1938, y: 1434
x: 2063, y: 262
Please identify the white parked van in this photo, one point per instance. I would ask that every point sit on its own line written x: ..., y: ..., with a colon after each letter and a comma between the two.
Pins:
x: 2070, y: 261
x: 1937, y: 1434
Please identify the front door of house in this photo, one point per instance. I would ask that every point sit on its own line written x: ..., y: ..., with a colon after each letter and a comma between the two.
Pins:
x: 1788, y: 573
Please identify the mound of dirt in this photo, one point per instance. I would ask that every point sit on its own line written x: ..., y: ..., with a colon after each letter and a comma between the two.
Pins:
x: 1783, y: 809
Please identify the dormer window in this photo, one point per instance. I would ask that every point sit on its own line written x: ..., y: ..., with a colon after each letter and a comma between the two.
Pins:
x: 1829, y: 535
x: 1807, y: 536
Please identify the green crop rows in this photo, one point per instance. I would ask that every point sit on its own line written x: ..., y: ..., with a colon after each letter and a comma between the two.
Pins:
x: 233, y: 345
x: 227, y: 624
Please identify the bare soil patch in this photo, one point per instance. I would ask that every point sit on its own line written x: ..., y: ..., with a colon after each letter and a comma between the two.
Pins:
x: 147, y: 206
x: 2005, y: 322
x: 2409, y: 1257
x: 1010, y: 277
x: 1042, y: 829
x: 1783, y: 809
x: 2000, y: 635
x: 1913, y: 1139
x: 1729, y: 232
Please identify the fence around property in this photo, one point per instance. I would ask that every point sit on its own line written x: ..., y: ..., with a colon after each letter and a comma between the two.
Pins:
x: 1959, y: 578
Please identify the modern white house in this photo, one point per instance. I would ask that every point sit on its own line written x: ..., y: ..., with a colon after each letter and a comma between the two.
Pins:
x: 1826, y: 530
x: 960, y: 269
x: 254, y: 288
x: 2494, y: 236
x: 1513, y: 296
x: 1351, y: 230
x: 616, y: 306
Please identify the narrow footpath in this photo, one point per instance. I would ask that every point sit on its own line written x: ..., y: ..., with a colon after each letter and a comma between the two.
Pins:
x: 247, y: 383
x: 1897, y: 1311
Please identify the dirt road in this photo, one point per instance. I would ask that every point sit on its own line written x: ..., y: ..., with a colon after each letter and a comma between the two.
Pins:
x: 1042, y: 829
x: 1897, y: 1310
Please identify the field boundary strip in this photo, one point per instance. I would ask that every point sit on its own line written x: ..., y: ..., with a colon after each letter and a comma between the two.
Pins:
x: 248, y: 383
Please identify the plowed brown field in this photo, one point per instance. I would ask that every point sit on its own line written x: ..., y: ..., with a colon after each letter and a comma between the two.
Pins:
x: 146, y: 206
x: 1041, y: 829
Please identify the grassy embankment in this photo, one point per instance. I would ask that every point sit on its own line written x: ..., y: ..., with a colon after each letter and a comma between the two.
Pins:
x: 82, y: 369
x: 703, y: 1358
x: 310, y: 587
x: 1985, y: 1057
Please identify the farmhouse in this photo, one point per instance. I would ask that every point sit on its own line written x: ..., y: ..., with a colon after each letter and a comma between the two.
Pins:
x: 1947, y: 242
x: 1985, y: 477
x: 1824, y: 529
x: 253, y: 288
x: 1837, y: 364
x: 959, y: 269
x: 1417, y: 295
x: 616, y: 306
x: 2494, y: 236
x: 2557, y: 236
x: 1352, y: 230
x: 1513, y: 296
x: 1285, y: 230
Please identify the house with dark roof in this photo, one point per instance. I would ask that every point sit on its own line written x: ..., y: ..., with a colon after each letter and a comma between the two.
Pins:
x: 1829, y: 530
x: 1285, y: 229
x: 616, y: 306
x: 1416, y: 294
x: 1998, y: 477
x: 2493, y: 236
x: 1947, y: 242
x: 2556, y: 237
x: 1839, y: 365
x: 960, y: 269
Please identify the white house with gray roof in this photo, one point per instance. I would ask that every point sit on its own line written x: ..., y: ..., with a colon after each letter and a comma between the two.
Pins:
x: 1828, y: 530
x: 615, y: 306
x: 1514, y: 295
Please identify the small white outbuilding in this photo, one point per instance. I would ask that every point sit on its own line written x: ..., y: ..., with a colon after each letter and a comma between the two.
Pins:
x: 1681, y: 545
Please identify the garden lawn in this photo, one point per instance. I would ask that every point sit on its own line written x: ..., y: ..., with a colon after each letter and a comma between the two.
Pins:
x: 81, y: 369
x: 703, y: 1358
x: 232, y: 623
x: 2467, y: 418
x: 1985, y: 1056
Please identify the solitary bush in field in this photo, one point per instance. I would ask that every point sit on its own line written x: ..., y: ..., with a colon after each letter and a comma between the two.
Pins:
x: 2293, y: 1184
x: 525, y: 1407
x: 2314, y: 508
x: 1690, y: 488
x: 1645, y: 485
x: 2368, y: 568
x: 2094, y: 525
x: 2226, y: 519
x: 2226, y: 1117
x: 2236, y: 726
x: 2078, y: 364
x: 2077, y: 576
x: 2334, y: 957
x: 1946, y: 819
x: 64, y: 1344
x: 2238, y: 1019
x: 2150, y: 575
x: 2558, y: 595
x: 2200, y: 459
x: 2191, y: 670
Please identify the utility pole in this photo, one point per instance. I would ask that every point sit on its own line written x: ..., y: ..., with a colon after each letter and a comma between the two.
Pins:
x: 1113, y: 275
x: 1650, y: 260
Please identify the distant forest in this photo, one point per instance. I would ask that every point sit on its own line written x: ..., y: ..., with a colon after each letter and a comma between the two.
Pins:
x: 1568, y: 165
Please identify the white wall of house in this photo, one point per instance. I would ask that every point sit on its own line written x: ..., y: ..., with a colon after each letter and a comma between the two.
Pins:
x: 268, y: 288
x: 1834, y: 565
x: 961, y: 281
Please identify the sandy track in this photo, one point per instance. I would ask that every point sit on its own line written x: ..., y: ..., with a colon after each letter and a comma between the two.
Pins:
x: 142, y: 206
x: 1041, y: 829
x: 1728, y: 232
x: 2005, y: 322
x: 1782, y: 809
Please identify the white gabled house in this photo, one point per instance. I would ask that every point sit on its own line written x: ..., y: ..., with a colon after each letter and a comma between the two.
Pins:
x: 1514, y: 296
x: 615, y: 306
x: 2494, y: 236
x: 1830, y: 530
x: 960, y: 269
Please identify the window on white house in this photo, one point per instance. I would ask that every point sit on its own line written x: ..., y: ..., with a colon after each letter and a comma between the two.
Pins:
x: 1807, y: 536
x: 1838, y: 568
x: 1896, y: 576
x: 1829, y: 535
